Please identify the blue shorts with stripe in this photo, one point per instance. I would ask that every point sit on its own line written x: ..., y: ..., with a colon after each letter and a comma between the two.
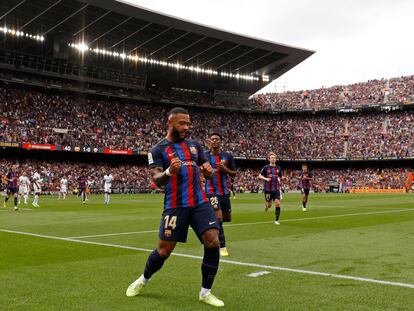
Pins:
x: 176, y: 221
x: 272, y: 195
x: 220, y: 202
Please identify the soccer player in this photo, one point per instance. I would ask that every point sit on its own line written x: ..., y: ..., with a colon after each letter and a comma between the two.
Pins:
x: 176, y: 163
x: 216, y: 188
x: 305, y: 184
x: 107, y: 187
x: 231, y: 188
x: 272, y: 174
x: 37, y: 188
x: 12, y: 179
x: 83, y: 183
x: 24, y: 185
x: 89, y: 186
x: 63, y: 190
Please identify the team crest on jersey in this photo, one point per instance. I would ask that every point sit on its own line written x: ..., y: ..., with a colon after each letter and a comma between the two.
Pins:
x: 167, y: 233
x: 150, y: 159
x: 193, y: 150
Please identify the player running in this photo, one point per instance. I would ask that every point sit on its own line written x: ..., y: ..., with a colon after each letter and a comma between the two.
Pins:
x: 63, y: 189
x: 176, y: 163
x: 272, y: 175
x: 305, y: 185
x: 217, y: 188
x: 12, y: 180
x: 108, y: 178
x: 24, y: 186
x: 37, y: 188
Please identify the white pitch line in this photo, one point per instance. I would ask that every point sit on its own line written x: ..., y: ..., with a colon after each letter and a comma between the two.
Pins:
x: 323, y: 217
x: 257, y: 274
x: 251, y: 223
x: 232, y: 262
x: 111, y: 234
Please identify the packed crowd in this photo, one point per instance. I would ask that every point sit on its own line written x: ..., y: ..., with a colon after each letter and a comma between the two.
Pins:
x: 136, y: 178
x: 127, y: 178
x: 55, y: 118
x: 396, y: 90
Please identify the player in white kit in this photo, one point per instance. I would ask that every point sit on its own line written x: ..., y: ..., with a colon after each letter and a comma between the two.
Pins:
x: 37, y: 188
x: 24, y: 184
x: 107, y: 187
x: 63, y: 190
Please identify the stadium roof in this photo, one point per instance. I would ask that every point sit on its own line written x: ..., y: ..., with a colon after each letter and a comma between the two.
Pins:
x: 123, y: 28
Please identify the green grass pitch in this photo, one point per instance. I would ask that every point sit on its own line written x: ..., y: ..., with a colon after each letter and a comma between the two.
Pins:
x: 66, y: 256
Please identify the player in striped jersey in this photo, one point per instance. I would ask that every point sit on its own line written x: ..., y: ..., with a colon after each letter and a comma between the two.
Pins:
x: 12, y: 180
x: 271, y: 174
x: 216, y: 188
x: 305, y: 185
x: 83, y: 183
x: 176, y: 163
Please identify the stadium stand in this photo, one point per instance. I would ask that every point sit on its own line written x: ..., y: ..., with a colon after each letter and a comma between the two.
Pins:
x: 49, y: 117
x: 374, y: 92
x: 75, y: 90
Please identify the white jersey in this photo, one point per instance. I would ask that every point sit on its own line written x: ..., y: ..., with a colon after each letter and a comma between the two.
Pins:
x: 63, y: 185
x: 24, y: 183
x: 108, y: 179
x: 37, y: 182
x: 108, y: 182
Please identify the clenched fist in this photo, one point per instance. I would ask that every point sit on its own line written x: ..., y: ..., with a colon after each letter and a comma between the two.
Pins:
x: 222, y: 166
x: 175, y: 165
x: 206, y: 169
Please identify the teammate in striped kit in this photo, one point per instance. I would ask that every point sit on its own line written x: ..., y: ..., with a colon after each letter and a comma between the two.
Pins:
x: 217, y: 187
x: 12, y: 180
x: 272, y: 175
x: 83, y: 183
x: 176, y: 164
x: 305, y: 184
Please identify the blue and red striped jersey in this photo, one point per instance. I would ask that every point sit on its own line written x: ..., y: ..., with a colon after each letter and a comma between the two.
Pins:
x: 183, y: 189
x: 305, y: 183
x: 218, y: 183
x: 13, y: 179
x: 82, y: 180
x: 274, y: 173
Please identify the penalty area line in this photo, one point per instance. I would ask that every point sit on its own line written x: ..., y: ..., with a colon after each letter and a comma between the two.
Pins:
x: 227, y: 261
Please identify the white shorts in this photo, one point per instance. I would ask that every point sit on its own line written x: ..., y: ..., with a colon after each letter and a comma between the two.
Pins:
x: 23, y: 190
x: 107, y: 188
x: 63, y: 190
x: 37, y: 189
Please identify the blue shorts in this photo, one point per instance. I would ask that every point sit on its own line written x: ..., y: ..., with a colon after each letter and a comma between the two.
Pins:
x: 11, y: 191
x: 305, y: 191
x: 220, y: 202
x: 272, y: 195
x: 175, y: 222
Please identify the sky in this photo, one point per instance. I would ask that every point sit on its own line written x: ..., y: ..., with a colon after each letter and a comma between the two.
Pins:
x: 354, y: 40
